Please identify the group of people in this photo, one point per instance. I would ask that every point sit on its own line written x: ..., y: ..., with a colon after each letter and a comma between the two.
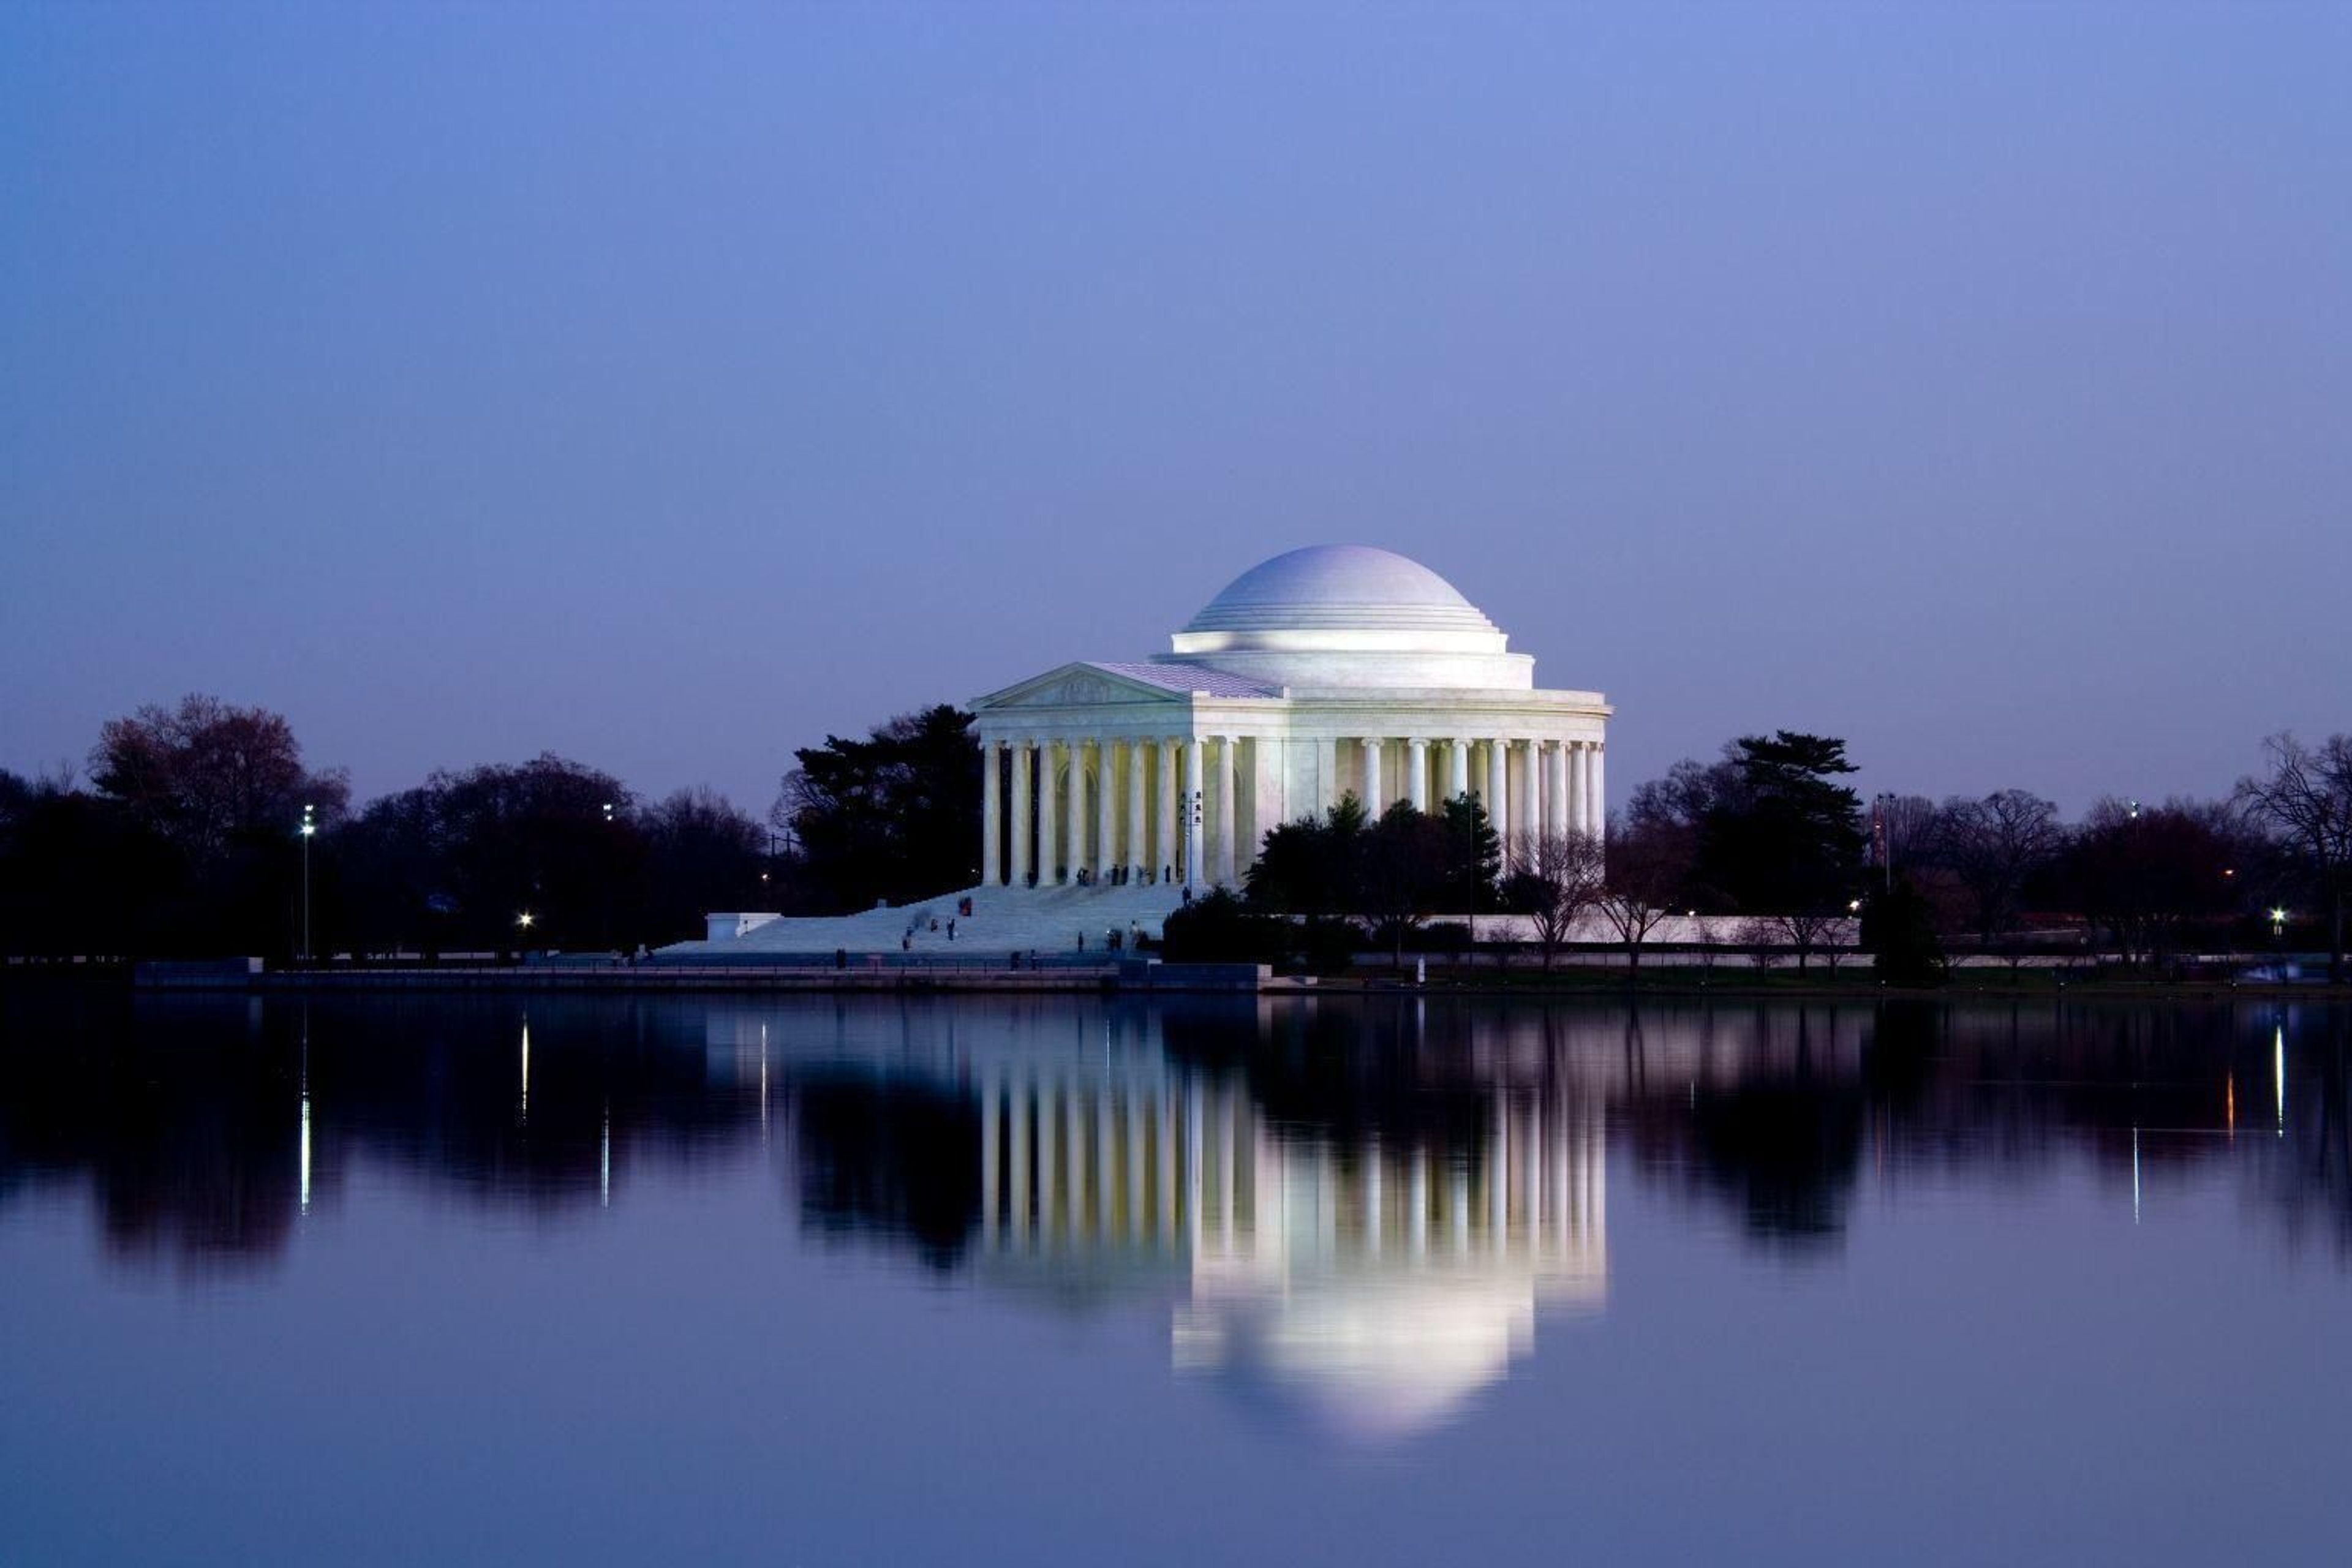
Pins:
x: 1117, y: 877
x: 907, y: 939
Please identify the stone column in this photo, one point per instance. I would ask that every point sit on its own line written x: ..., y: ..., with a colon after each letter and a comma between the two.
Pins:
x: 1049, y: 837
x: 1556, y: 788
x: 1573, y: 774
x: 1457, y: 768
x: 1372, y: 801
x: 1139, y: 852
x: 1498, y: 790
x: 1107, y: 807
x: 1530, y: 813
x: 1189, y: 871
x: 1229, y: 783
x: 1164, y: 842
x: 1596, y: 753
x: 991, y: 810
x: 1024, y: 758
x: 1076, y: 822
x: 1327, y: 775
x: 1416, y: 772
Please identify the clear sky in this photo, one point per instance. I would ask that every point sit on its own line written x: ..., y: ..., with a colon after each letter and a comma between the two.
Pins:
x: 669, y: 387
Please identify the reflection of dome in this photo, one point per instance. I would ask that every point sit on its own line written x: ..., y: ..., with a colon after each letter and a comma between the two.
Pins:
x: 1350, y: 615
x: 1369, y: 1360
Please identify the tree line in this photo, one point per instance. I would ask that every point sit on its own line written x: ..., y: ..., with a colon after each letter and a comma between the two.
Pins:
x: 1767, y: 847
x: 187, y: 837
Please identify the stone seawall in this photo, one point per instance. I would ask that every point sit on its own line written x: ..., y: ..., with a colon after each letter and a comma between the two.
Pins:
x: 1118, y: 975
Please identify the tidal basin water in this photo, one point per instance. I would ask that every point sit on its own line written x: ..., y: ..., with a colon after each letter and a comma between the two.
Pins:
x: 401, y: 1281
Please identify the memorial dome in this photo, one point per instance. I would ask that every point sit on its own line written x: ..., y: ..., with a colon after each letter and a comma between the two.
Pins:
x: 1350, y: 614
x: 1351, y: 587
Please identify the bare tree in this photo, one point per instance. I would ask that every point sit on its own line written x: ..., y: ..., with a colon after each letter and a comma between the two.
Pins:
x: 1906, y: 831
x: 1761, y: 935
x: 1993, y: 845
x: 1805, y: 934
x: 1709, y: 931
x: 1555, y: 879
x: 1646, y: 866
x: 2307, y: 800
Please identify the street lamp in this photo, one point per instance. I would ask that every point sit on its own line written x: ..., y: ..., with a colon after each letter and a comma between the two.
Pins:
x: 1881, y: 810
x: 2278, y: 922
x: 310, y: 829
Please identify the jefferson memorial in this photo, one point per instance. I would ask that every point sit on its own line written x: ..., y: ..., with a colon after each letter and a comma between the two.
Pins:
x: 1111, y: 786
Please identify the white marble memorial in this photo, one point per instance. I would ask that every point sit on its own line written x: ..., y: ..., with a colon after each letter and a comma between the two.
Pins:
x: 1331, y: 669
x: 1112, y: 786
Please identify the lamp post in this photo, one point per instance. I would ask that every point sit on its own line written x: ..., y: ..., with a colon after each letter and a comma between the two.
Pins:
x: 310, y: 830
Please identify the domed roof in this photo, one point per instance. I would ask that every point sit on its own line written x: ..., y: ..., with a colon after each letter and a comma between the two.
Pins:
x: 1340, y: 587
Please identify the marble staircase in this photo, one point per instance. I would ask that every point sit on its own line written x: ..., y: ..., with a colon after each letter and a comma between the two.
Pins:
x: 1047, y: 921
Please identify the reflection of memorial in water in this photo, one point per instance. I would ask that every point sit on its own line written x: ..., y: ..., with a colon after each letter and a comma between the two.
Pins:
x: 202, y: 1131
x: 1368, y: 1278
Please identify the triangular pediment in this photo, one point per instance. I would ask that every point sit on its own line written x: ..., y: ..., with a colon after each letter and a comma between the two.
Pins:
x: 1079, y: 685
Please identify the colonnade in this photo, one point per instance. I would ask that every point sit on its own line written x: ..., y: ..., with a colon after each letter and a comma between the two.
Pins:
x: 1192, y: 808
x: 1078, y: 1159
x: 1113, y: 809
x: 1528, y: 784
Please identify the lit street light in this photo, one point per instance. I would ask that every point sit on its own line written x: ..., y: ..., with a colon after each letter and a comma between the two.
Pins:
x: 310, y: 829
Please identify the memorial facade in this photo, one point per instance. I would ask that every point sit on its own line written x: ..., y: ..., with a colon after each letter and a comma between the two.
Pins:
x: 1327, y: 671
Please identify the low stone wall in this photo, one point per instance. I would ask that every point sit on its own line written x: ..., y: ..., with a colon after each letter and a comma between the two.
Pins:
x: 1127, y: 974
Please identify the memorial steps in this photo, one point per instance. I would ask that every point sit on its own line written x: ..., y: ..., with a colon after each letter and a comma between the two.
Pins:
x: 1046, y: 920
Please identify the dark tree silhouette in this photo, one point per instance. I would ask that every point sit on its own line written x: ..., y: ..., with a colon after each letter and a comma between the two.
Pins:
x: 1994, y: 846
x: 1784, y: 835
x: 2305, y: 799
x: 2149, y: 873
x: 894, y: 817
x: 1555, y: 879
x: 206, y: 775
x: 1313, y: 868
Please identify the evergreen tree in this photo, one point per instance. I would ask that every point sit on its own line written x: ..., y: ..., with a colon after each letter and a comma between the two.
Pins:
x: 895, y: 815
x: 1473, y: 858
x: 1898, y: 927
x: 1779, y: 834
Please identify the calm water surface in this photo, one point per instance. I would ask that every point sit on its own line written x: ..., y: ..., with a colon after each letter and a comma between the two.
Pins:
x: 380, y: 1280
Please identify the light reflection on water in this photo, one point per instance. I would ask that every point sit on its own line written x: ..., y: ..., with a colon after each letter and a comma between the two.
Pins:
x: 1354, y: 1225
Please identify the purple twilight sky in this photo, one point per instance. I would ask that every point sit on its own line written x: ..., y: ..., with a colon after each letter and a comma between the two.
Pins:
x: 667, y: 387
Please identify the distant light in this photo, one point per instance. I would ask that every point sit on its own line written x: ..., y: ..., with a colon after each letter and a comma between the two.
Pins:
x: 308, y: 828
x: 523, y: 919
x: 2229, y: 871
x: 1854, y: 905
x: 2278, y: 1076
